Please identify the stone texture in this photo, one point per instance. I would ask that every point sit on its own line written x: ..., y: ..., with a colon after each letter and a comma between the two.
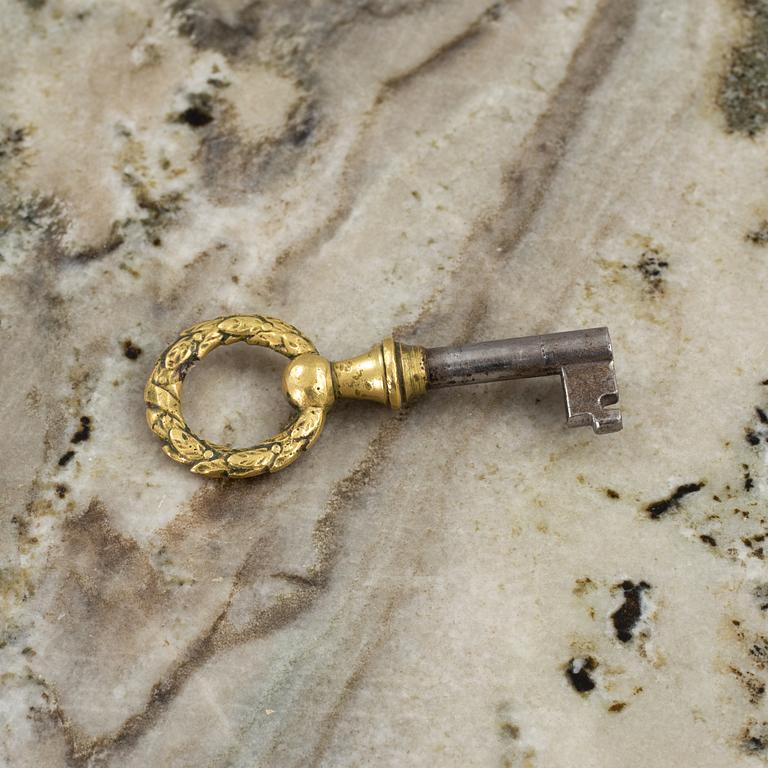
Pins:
x: 465, y: 584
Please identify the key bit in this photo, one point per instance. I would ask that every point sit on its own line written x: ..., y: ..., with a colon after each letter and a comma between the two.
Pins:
x: 391, y: 373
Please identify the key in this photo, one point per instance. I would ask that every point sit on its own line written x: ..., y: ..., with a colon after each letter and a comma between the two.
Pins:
x: 391, y: 373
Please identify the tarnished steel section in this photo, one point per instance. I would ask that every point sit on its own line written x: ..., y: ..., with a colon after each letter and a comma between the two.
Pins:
x: 583, y: 359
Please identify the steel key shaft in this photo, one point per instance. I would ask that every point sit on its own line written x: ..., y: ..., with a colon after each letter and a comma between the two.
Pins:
x: 583, y: 359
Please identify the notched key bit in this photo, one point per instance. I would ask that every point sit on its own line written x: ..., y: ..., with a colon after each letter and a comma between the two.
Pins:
x: 390, y: 373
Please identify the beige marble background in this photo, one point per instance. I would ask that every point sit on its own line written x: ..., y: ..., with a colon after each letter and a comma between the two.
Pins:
x: 429, y: 589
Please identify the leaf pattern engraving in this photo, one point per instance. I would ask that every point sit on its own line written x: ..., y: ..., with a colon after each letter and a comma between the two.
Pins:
x: 186, y: 444
x: 163, y: 392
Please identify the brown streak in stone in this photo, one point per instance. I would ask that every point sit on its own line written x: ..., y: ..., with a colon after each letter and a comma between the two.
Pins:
x: 220, y: 634
x: 544, y: 148
x: 226, y: 156
x: 530, y: 176
x: 457, y: 43
x: 327, y: 231
x: 358, y: 669
x: 295, y: 578
x: 110, y: 244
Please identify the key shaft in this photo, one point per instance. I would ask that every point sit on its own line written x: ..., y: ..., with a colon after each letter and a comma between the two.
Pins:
x: 583, y: 360
x: 526, y: 357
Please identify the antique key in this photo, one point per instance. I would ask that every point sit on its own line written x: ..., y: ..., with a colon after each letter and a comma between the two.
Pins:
x: 390, y: 373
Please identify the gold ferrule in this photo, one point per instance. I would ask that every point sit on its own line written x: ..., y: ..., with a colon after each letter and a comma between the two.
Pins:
x: 390, y: 373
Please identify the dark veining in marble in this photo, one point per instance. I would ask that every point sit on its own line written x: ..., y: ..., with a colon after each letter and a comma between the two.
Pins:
x: 754, y: 737
x: 759, y: 234
x: 578, y: 671
x: 199, y: 112
x: 652, y: 268
x: 141, y: 595
x: 529, y: 181
x: 131, y: 350
x: 749, y: 482
x: 626, y: 616
x: 757, y: 432
x: 438, y: 57
x: 288, y: 30
x: 753, y: 685
x: 359, y: 153
x: 760, y: 593
x: 658, y: 508
x: 198, y: 21
x: 12, y: 142
x: 84, y: 432
x: 113, y: 241
x: 65, y: 458
x: 743, y: 95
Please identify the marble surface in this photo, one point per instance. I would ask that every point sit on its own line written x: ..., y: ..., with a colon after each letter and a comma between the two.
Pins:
x: 467, y: 584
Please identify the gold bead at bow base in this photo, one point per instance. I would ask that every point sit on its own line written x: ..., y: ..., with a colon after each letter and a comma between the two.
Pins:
x: 390, y: 373
x: 308, y: 382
